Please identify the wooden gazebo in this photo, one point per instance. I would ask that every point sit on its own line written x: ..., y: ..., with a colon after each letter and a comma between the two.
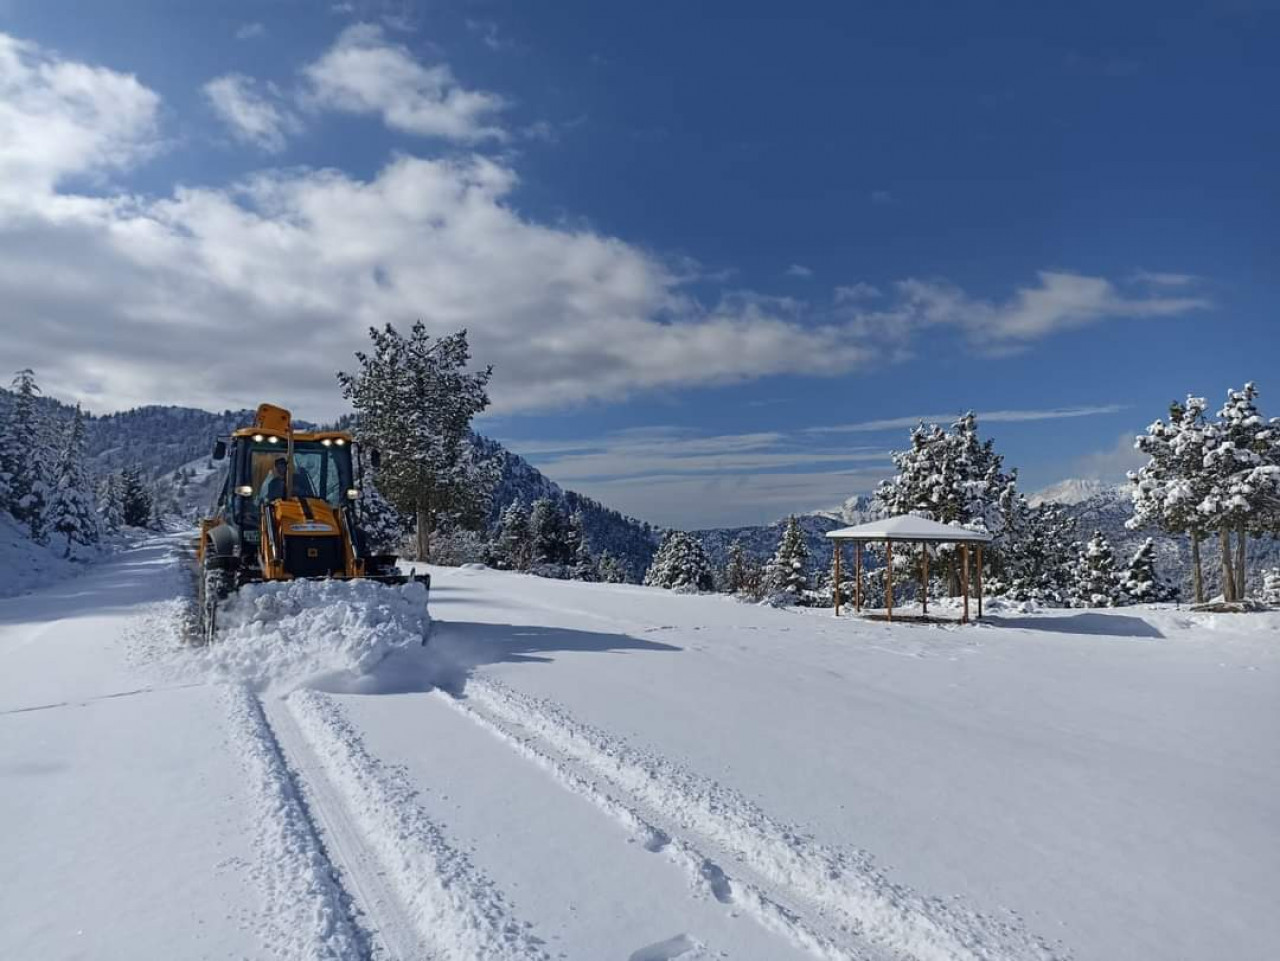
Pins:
x: 908, y: 529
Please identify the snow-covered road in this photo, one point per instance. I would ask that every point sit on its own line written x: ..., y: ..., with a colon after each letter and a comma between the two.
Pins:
x: 599, y: 771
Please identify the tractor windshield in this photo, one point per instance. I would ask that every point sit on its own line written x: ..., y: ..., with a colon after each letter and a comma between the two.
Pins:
x: 320, y: 469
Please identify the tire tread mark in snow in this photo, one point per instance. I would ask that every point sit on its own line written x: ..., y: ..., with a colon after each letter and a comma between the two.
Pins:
x: 392, y: 930
x: 745, y: 890
x: 307, y: 914
x: 454, y: 907
x: 847, y: 885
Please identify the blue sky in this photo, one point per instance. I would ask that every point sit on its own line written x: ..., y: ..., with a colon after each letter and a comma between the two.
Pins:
x: 692, y: 238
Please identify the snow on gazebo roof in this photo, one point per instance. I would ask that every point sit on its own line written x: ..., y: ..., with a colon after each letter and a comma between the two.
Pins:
x: 908, y: 527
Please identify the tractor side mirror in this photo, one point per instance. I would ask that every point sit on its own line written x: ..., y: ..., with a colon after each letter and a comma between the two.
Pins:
x: 375, y: 458
x: 219, y: 450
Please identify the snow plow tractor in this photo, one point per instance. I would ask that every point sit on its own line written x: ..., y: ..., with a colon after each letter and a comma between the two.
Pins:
x: 288, y: 508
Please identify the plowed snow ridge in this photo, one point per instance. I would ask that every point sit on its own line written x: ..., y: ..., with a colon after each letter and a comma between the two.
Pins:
x: 886, y: 914
x: 457, y: 910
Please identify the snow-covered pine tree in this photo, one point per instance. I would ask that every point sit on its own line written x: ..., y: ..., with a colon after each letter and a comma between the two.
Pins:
x: 1242, y: 460
x: 954, y: 478
x: 788, y: 576
x: 1040, y: 558
x: 111, y: 503
x: 680, y: 564
x: 414, y: 399
x: 512, y: 548
x: 1271, y: 586
x: 736, y: 572
x: 23, y: 451
x: 611, y: 569
x: 548, y: 536
x: 1169, y: 489
x: 135, y: 498
x: 71, y: 511
x: 1139, y: 581
x: 582, y: 565
x: 1097, y: 582
x: 384, y: 527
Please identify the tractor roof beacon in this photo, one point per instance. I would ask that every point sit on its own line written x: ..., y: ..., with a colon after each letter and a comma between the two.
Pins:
x: 288, y: 508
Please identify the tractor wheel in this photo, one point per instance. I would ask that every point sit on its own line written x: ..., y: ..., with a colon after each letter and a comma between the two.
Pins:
x: 212, y: 589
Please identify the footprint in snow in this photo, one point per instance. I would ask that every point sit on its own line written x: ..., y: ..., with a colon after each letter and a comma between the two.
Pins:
x: 677, y: 947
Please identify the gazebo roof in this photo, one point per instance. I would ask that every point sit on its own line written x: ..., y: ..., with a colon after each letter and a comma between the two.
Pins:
x: 908, y: 527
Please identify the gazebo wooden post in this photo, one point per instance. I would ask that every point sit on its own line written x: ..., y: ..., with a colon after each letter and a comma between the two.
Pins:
x: 836, y: 555
x: 979, y: 575
x: 924, y: 580
x: 964, y: 581
x: 888, y: 577
x: 857, y: 577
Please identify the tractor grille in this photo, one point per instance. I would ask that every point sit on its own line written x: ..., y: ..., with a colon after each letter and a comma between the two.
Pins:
x: 313, y: 556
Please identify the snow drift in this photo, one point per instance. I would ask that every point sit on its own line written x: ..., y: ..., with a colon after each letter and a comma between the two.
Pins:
x: 285, y: 635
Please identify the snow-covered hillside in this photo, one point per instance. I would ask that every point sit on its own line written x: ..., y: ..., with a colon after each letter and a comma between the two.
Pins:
x: 593, y: 771
x: 1074, y: 490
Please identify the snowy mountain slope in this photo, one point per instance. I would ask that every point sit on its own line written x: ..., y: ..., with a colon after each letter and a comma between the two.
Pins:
x: 1073, y: 490
x: 588, y: 770
x: 762, y: 540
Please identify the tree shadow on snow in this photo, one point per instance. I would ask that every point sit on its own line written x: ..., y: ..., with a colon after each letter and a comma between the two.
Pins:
x: 456, y: 649
x: 1110, y: 625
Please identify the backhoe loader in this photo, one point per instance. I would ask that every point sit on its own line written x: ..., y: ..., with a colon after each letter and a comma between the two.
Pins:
x: 288, y: 508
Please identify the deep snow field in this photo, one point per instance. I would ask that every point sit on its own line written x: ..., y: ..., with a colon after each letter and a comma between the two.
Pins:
x: 594, y: 772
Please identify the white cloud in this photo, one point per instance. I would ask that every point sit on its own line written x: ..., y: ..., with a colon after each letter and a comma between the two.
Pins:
x: 251, y: 31
x: 365, y: 73
x: 984, y: 417
x: 1158, y: 279
x: 683, y: 478
x: 1059, y: 301
x: 1111, y: 464
x: 252, y: 117
x: 798, y: 270
x: 59, y: 119
x: 852, y: 293
x: 227, y: 296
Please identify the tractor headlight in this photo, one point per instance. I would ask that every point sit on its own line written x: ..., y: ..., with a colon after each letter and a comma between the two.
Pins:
x: 244, y: 490
x: 326, y: 442
x: 273, y: 440
x: 258, y: 438
x: 353, y: 493
x: 341, y: 442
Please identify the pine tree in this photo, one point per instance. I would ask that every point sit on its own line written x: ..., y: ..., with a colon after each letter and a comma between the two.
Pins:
x: 135, y: 498
x: 611, y: 569
x: 384, y: 527
x: 415, y: 399
x: 736, y: 573
x: 680, y: 564
x: 548, y: 534
x: 70, y: 512
x: 111, y: 503
x: 1271, y: 586
x: 1242, y: 460
x: 583, y: 564
x: 1097, y: 583
x: 1139, y: 582
x: 1039, y: 561
x: 1169, y: 488
x: 954, y: 478
x: 788, y: 577
x: 23, y: 463
x: 512, y: 549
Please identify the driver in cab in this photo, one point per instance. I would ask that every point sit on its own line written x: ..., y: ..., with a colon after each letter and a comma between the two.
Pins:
x: 273, y: 488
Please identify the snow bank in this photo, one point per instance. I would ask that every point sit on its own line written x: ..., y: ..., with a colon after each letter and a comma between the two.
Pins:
x: 26, y: 565
x: 288, y: 634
